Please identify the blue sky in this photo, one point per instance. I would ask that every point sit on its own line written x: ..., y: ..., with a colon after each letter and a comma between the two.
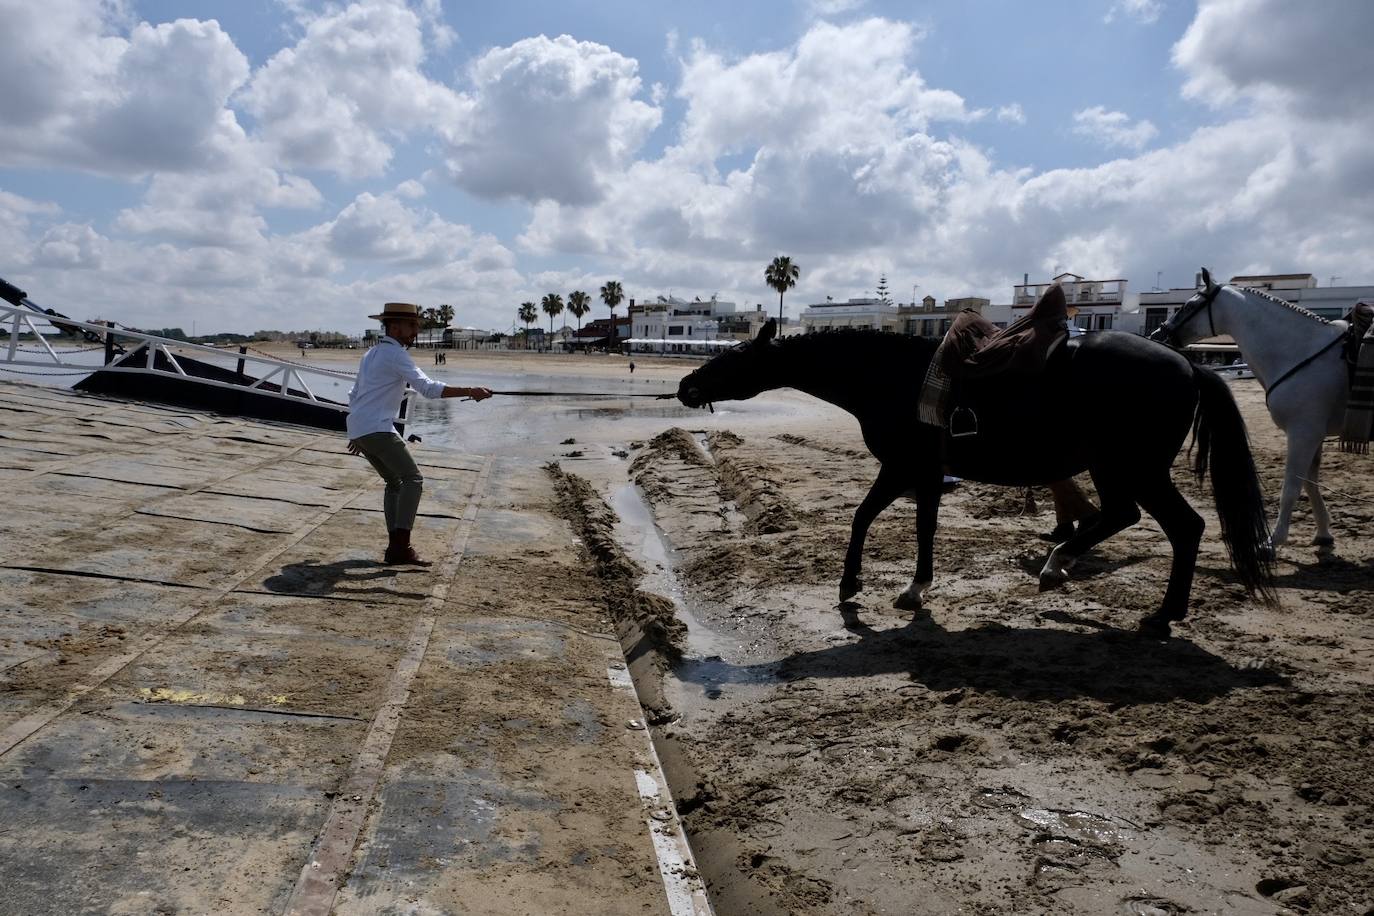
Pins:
x: 291, y: 164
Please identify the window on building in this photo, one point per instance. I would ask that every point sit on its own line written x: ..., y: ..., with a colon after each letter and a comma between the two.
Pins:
x: 1154, y: 317
x: 675, y: 330
x: 1104, y: 322
x: 944, y: 325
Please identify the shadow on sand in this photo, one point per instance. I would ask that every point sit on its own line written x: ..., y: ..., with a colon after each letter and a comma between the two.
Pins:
x: 341, y: 579
x: 1110, y: 664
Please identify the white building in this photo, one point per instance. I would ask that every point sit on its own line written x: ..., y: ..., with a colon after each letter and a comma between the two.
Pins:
x: 1099, y: 302
x: 874, y: 314
x: 671, y: 325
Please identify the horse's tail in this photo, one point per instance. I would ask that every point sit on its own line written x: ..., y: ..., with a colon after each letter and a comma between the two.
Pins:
x: 1220, y: 442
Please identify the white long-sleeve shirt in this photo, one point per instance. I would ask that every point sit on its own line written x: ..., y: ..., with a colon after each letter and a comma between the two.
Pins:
x: 383, y: 374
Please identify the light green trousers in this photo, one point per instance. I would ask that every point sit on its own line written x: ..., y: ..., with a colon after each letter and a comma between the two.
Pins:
x: 404, y: 484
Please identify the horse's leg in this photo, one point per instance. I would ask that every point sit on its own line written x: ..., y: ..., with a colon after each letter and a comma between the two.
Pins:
x: 1302, y: 449
x: 887, y: 487
x: 927, y: 514
x: 1324, y: 541
x: 1183, y: 527
x: 1118, y: 512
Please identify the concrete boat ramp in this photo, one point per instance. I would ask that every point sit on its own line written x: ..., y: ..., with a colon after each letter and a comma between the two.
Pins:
x: 215, y: 699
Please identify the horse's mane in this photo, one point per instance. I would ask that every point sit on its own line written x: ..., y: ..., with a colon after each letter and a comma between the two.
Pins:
x: 1265, y: 294
x: 843, y: 341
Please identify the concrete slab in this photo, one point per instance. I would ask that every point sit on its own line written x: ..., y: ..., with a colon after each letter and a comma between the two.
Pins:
x: 209, y: 685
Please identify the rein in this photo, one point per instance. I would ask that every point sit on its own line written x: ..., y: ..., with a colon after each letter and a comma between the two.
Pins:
x: 1340, y: 339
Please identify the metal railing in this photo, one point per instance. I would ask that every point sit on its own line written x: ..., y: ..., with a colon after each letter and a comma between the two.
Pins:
x: 263, y: 374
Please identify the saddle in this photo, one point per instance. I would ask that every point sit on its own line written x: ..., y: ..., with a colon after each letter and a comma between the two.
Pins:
x: 976, y: 349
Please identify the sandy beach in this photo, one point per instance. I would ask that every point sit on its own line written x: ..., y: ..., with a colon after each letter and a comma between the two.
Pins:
x: 1005, y: 750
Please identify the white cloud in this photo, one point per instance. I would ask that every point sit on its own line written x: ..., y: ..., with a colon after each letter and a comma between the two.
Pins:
x: 220, y: 208
x: 1142, y: 11
x: 1312, y: 60
x: 1113, y: 128
x: 78, y: 95
x: 382, y: 228
x: 337, y: 98
x: 71, y: 247
x: 548, y: 119
x: 833, y: 7
x: 1011, y: 114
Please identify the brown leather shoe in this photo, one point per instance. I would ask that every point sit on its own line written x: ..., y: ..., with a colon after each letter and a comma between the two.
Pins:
x: 399, y: 552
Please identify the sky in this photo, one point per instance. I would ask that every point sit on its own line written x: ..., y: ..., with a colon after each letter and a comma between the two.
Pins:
x: 292, y: 164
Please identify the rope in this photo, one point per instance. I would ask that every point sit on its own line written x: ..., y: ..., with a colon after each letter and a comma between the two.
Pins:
x: 581, y: 394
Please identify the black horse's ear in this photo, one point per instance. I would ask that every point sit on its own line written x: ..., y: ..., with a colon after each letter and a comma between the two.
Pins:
x: 1207, y: 283
x: 768, y: 331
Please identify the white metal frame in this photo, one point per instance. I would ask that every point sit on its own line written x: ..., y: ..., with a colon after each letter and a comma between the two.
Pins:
x: 287, y: 375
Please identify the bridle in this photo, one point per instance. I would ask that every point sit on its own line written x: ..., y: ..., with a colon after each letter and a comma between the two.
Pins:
x: 1168, y: 331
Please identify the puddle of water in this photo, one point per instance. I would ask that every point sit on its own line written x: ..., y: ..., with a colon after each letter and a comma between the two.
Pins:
x: 704, y: 669
x: 1080, y: 824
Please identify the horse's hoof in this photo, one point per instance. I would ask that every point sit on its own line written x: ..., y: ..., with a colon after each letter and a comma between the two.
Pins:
x: 1052, y: 580
x: 1154, y: 628
x: 1268, y: 551
x: 907, y: 602
x: 849, y: 588
x: 1326, y: 546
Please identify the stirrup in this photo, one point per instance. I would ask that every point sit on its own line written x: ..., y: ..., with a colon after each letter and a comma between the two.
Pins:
x: 963, y: 422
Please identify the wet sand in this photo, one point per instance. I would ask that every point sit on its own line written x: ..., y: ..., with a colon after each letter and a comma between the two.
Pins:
x: 1007, y: 750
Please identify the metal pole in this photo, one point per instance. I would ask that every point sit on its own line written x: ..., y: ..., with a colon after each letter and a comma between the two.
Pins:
x: 243, y: 351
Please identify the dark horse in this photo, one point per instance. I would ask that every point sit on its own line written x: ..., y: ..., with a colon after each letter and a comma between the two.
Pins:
x: 1114, y: 404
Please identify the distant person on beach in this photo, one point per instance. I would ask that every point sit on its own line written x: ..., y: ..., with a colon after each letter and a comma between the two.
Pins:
x: 373, y: 404
x: 632, y: 367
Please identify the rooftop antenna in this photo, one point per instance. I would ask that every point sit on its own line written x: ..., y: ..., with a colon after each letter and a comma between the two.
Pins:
x: 1158, y: 275
x: 1331, y: 281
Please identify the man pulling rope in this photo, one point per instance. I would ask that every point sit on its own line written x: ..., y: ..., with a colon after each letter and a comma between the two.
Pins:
x: 373, y: 404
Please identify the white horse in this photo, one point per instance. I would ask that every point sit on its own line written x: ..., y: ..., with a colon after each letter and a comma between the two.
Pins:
x: 1297, y: 358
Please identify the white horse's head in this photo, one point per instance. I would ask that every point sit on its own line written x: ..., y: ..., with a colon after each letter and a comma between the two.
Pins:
x: 1194, y: 320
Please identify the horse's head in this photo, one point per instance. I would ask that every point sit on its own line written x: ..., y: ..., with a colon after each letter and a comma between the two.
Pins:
x: 1181, y: 328
x: 734, y: 375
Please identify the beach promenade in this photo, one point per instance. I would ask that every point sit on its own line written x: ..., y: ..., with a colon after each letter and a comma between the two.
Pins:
x: 215, y: 699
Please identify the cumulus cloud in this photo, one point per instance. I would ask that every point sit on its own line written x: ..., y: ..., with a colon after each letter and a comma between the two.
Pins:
x: 1309, y: 59
x: 1143, y: 11
x: 335, y: 99
x: 1011, y: 114
x: 824, y: 147
x: 548, y: 119
x: 833, y: 149
x: 216, y: 208
x: 79, y: 95
x: 382, y: 228
x: 71, y: 247
x: 1113, y: 128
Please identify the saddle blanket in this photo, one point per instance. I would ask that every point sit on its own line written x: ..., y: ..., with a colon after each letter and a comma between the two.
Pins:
x: 1358, y: 428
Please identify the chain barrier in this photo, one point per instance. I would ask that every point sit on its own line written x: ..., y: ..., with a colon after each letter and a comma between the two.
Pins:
x: 54, y: 374
x: 60, y: 352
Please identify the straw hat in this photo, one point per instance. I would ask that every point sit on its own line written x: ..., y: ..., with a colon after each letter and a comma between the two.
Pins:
x: 398, y: 310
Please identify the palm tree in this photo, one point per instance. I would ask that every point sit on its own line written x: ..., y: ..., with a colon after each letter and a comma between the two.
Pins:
x: 529, y: 314
x: 579, y: 303
x: 430, y: 317
x: 781, y: 275
x: 552, y: 304
x: 612, y: 295
x: 445, y: 315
